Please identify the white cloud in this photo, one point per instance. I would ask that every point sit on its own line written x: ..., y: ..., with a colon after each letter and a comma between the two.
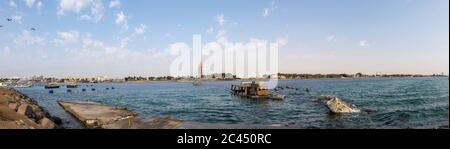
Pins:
x: 220, y: 19
x: 331, y: 38
x: 6, y: 51
x: 39, y: 6
x: 210, y: 30
x: 65, y: 38
x: 121, y: 19
x: 18, y: 19
x: 12, y: 3
x: 85, y: 17
x: 96, y: 8
x: 28, y: 39
x: 124, y: 42
x: 365, y: 43
x: 29, y: 3
x: 266, y: 11
x: 114, y: 4
x: 169, y: 35
x: 140, y: 30
x: 282, y: 41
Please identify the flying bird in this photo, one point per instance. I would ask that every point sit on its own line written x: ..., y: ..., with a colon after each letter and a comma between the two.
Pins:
x: 9, y: 19
x: 1, y: 26
x: 33, y: 29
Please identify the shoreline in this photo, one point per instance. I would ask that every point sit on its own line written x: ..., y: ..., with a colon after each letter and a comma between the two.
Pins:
x: 18, y: 111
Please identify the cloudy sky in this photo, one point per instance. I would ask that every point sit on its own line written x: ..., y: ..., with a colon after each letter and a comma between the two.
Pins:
x: 133, y: 37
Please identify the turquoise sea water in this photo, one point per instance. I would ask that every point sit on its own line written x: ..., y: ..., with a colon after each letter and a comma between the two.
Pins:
x: 385, y: 102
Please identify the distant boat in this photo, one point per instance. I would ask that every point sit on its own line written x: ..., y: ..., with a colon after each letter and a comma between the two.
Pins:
x: 23, y: 85
x: 72, y: 85
x: 51, y: 85
x: 3, y: 84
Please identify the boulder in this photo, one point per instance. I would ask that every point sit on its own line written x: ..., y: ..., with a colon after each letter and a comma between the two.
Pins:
x: 92, y: 123
x: 25, y: 109
x: 338, y: 106
x: 47, y: 123
x: 39, y: 115
x: 56, y: 120
x: 13, y: 106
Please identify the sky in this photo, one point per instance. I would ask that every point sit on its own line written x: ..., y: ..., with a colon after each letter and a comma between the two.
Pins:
x: 83, y: 38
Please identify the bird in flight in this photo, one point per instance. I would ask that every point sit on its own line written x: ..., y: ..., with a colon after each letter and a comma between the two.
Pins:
x: 32, y: 29
x: 1, y: 26
x: 9, y: 19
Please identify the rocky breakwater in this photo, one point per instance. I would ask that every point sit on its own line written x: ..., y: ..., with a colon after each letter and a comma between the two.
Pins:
x: 99, y: 116
x: 18, y: 111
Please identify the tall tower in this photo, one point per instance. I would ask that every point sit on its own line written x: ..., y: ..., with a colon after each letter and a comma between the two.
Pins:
x: 201, y: 70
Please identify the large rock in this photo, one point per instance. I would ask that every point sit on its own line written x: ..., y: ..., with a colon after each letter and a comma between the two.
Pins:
x: 25, y: 109
x: 13, y: 106
x: 39, y: 115
x: 47, y: 123
x: 339, y: 106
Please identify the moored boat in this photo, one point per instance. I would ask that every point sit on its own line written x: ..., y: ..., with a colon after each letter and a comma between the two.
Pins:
x: 51, y: 85
x: 23, y: 85
x: 72, y: 85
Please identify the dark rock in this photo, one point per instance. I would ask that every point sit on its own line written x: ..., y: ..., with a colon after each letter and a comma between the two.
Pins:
x: 47, y: 123
x: 56, y: 120
x: 25, y: 109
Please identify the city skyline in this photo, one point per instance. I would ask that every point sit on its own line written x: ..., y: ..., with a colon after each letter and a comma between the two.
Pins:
x: 115, y: 38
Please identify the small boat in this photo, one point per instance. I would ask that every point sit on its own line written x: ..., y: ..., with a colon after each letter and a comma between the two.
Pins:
x: 72, y: 85
x: 3, y: 84
x: 51, y: 91
x: 23, y: 85
x: 69, y: 91
x: 254, y: 90
x: 51, y: 85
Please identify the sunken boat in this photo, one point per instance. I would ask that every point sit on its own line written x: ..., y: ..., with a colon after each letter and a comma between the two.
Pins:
x: 254, y: 90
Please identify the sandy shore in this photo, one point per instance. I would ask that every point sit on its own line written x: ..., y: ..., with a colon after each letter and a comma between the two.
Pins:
x: 18, y: 111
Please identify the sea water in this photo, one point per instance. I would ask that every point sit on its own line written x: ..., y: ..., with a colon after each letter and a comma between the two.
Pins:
x: 385, y: 102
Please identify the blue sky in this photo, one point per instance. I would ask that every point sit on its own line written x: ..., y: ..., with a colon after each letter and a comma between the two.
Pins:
x: 132, y: 37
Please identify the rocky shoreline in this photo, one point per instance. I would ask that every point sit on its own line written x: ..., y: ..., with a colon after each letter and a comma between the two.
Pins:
x: 18, y: 111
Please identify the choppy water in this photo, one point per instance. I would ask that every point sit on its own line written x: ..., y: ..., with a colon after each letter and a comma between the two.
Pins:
x: 386, y: 102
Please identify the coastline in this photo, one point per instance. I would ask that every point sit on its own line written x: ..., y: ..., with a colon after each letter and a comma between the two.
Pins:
x: 18, y: 111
